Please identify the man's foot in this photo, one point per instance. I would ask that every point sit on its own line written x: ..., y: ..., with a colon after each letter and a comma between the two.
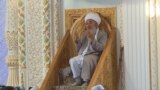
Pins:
x: 65, y: 72
x: 85, y: 84
x: 77, y: 82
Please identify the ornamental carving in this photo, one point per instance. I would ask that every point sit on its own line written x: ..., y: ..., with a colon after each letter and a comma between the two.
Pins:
x: 46, y: 33
x: 12, y: 41
x: 71, y: 15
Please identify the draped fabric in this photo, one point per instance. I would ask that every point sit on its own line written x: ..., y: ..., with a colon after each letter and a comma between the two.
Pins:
x: 3, y: 48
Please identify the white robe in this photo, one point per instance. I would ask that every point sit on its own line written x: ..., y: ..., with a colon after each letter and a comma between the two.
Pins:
x: 84, y: 64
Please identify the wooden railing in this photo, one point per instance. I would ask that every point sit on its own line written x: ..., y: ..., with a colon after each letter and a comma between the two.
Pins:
x: 106, y: 69
x: 105, y: 72
x: 65, y: 51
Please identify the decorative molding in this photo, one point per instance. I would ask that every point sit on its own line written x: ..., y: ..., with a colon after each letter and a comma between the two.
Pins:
x: 74, y: 15
x: 12, y: 58
x: 46, y: 35
x: 12, y: 42
x: 58, y: 23
x: 12, y: 61
x: 21, y: 34
x: 21, y: 44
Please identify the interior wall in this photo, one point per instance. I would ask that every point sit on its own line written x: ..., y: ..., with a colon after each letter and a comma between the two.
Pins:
x: 136, y: 45
x: 89, y: 3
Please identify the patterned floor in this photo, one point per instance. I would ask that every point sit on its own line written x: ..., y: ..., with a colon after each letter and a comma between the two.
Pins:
x: 3, y: 48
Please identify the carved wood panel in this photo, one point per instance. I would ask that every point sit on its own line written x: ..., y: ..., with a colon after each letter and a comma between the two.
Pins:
x: 71, y: 15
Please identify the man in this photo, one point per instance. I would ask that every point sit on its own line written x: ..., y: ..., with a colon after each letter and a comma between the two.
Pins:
x: 89, y: 45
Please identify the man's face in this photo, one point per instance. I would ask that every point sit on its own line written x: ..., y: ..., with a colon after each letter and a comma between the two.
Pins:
x: 91, y: 24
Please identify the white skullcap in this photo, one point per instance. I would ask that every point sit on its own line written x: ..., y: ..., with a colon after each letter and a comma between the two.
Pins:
x: 94, y: 16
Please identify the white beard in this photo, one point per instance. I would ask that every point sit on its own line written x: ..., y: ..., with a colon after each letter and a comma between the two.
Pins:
x: 94, y: 30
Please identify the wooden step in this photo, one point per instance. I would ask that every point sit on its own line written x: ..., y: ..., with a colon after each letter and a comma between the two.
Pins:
x: 69, y: 88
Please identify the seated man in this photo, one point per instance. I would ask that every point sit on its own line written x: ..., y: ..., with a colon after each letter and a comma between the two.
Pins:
x: 89, y: 45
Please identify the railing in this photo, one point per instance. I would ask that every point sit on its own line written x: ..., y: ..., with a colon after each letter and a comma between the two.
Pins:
x: 106, y: 69
x: 65, y: 51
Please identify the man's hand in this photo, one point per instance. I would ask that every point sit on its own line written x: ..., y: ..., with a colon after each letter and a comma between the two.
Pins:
x: 90, y: 34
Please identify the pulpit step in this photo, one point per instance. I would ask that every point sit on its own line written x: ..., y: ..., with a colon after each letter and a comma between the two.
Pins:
x: 69, y: 88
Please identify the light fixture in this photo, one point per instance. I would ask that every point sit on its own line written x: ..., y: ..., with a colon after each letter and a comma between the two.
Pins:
x: 152, y: 9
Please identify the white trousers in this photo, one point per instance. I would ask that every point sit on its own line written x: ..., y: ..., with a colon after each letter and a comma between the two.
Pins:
x: 76, y: 65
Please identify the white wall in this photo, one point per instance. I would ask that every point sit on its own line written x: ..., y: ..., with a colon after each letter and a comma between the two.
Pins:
x: 88, y: 3
x: 136, y: 45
